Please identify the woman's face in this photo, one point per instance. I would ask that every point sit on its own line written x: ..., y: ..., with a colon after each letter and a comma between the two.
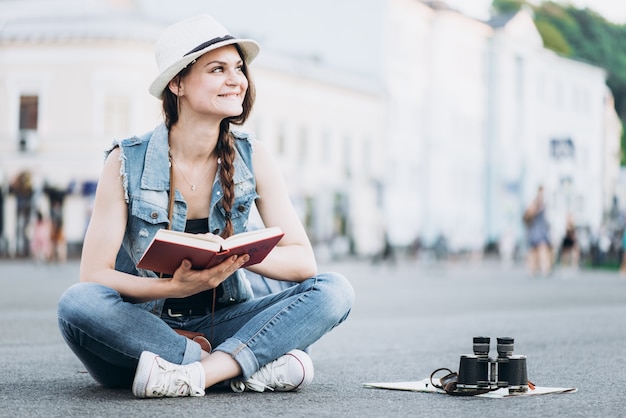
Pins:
x: 215, y: 84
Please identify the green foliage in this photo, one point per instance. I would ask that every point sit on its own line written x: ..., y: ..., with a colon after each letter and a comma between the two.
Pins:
x: 507, y: 6
x: 623, y: 144
x: 553, y: 38
x: 558, y: 18
x: 622, y: 153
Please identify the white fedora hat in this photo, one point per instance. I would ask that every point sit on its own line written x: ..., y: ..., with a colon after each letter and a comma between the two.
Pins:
x: 188, y: 39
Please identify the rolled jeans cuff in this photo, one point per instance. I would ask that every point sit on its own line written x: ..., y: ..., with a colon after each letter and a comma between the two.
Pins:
x: 193, y: 352
x: 242, y: 355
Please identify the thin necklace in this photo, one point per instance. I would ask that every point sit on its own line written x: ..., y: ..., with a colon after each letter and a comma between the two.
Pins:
x: 193, y: 185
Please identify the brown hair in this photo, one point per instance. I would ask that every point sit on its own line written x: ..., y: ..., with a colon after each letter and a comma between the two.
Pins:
x: 225, y: 143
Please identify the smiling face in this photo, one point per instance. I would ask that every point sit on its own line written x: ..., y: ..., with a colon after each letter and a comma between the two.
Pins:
x: 215, y: 85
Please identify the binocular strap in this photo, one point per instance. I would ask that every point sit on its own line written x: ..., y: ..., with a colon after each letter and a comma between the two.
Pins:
x: 448, y: 384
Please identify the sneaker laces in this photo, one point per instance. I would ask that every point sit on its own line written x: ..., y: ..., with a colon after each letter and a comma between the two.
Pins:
x: 267, y: 377
x: 253, y: 384
x: 174, y: 381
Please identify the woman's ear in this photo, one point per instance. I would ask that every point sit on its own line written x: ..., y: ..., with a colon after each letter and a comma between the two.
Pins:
x: 175, y: 87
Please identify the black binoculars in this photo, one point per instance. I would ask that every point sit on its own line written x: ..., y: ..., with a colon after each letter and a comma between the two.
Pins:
x: 478, y: 371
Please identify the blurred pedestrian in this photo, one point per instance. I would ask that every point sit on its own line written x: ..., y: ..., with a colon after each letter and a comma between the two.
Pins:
x: 569, y: 253
x: 506, y: 247
x: 40, y: 240
x: 386, y: 254
x: 622, y: 267
x: 22, y: 188
x: 540, y: 249
x: 57, y: 235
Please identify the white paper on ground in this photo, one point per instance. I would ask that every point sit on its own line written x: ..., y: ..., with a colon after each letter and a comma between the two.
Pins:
x: 425, y: 386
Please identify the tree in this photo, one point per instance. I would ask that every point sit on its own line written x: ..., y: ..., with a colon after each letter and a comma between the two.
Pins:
x: 507, y: 6
x: 553, y: 38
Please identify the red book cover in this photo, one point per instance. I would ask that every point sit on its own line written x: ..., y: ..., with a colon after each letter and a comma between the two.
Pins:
x: 169, y: 248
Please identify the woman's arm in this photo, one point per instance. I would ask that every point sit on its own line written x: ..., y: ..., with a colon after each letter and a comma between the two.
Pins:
x: 293, y: 258
x: 103, y: 240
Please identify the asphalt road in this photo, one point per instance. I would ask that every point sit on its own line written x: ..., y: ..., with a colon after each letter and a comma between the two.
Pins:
x: 407, y: 321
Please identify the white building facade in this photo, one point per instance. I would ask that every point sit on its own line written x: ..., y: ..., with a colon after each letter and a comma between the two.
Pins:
x: 462, y: 122
x: 81, y: 79
x: 71, y: 79
x: 326, y: 129
x: 548, y: 125
x: 486, y: 115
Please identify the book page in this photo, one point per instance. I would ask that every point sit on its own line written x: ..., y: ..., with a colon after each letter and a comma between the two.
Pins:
x: 251, y: 236
x: 210, y: 241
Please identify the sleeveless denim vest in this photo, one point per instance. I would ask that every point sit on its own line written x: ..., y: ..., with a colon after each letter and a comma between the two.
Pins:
x: 146, y: 180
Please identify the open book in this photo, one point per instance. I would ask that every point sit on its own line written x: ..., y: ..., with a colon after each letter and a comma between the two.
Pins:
x: 169, y: 248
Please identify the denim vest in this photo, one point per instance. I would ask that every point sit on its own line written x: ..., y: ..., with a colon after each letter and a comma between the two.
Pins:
x: 146, y: 180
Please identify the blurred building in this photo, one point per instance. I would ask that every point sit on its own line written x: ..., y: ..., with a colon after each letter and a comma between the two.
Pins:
x: 551, y: 122
x: 73, y: 76
x: 485, y: 114
x: 327, y: 130
x: 448, y: 138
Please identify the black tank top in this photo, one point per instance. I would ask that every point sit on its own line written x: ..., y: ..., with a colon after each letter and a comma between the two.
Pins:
x: 202, y: 299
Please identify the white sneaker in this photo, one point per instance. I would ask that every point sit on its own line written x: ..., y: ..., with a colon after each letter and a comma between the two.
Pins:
x: 158, y: 378
x: 289, y: 372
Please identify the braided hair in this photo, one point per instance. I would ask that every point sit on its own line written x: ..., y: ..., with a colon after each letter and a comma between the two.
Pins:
x: 225, y: 143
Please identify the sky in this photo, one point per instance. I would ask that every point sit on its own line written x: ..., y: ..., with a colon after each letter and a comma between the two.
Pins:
x: 334, y: 30
x: 612, y: 10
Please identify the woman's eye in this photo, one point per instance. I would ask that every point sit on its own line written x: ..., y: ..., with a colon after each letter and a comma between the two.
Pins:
x: 217, y: 70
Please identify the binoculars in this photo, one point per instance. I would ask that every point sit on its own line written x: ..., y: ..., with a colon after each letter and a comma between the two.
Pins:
x: 478, y: 371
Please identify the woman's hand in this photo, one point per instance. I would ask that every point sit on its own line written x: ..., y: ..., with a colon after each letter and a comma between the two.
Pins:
x: 186, y: 281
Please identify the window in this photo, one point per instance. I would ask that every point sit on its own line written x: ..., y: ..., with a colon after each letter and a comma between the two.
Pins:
x: 326, y: 149
x: 519, y: 78
x: 29, y: 118
x: 303, y: 145
x: 368, y: 159
x: 347, y: 156
x: 562, y: 148
x: 280, y: 141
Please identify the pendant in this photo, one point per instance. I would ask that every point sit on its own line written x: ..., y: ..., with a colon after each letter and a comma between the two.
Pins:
x: 193, y: 187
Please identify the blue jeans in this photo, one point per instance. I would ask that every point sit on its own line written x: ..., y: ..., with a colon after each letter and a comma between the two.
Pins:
x: 108, y: 334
